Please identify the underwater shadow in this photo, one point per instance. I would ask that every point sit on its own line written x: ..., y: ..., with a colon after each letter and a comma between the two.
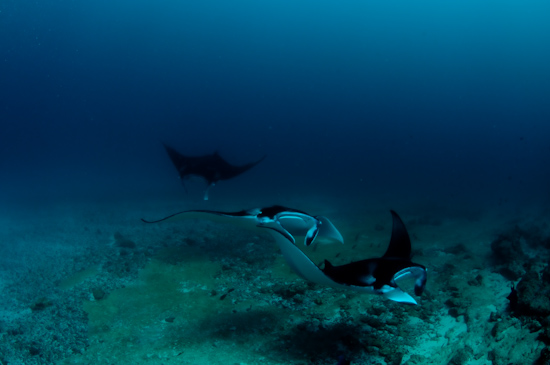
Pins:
x: 319, y: 343
x: 286, y: 341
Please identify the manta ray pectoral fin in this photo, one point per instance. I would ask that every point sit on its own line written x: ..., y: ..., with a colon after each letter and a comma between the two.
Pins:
x: 327, y: 229
x: 210, y: 215
x: 400, y: 296
x: 400, y: 242
x: 190, y: 214
x: 301, y: 264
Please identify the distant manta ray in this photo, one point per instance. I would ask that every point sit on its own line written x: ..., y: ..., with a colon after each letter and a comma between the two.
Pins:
x: 211, y: 168
x: 371, y: 276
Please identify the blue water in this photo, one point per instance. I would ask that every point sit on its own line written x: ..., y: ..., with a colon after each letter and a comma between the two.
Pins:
x: 444, y: 101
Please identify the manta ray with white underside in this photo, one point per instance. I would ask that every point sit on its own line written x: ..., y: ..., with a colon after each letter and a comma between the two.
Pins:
x: 372, y: 276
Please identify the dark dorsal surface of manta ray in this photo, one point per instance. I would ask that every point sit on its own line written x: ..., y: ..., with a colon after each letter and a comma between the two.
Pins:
x: 287, y: 222
x: 211, y: 168
x: 371, y: 276
x: 379, y: 275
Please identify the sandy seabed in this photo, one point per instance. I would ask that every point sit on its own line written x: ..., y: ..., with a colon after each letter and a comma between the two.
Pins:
x: 89, y: 283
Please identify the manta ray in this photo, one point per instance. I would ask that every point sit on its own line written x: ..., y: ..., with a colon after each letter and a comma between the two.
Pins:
x: 287, y: 222
x: 379, y: 275
x: 372, y: 276
x: 212, y: 168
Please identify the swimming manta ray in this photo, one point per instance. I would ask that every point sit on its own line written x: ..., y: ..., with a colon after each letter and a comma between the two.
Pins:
x: 372, y: 276
x: 211, y: 168
x: 379, y: 275
x: 286, y: 222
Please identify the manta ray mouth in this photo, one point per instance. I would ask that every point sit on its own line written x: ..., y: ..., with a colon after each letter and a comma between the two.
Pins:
x: 417, y: 272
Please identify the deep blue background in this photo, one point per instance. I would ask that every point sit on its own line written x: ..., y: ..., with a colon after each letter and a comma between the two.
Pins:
x: 438, y: 100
